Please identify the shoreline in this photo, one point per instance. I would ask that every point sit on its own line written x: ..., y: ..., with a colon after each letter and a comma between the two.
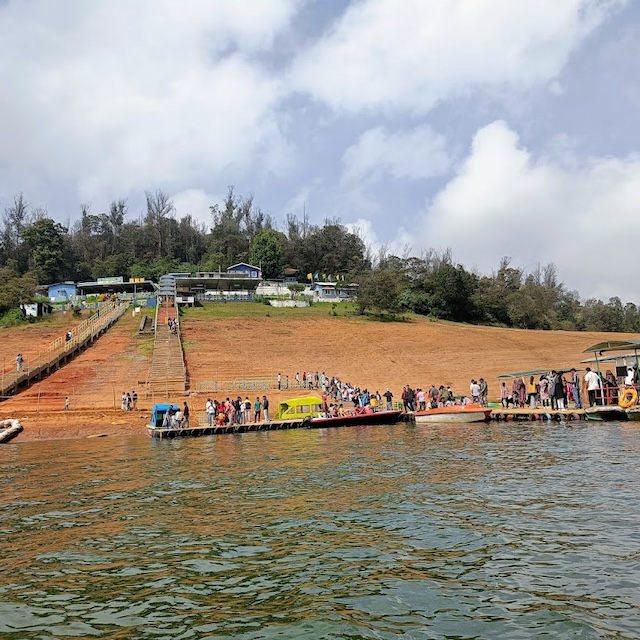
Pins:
x: 78, y: 424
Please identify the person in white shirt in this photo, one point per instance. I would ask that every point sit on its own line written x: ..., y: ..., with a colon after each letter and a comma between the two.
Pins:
x: 593, y: 385
x: 629, y: 379
x: 474, y: 388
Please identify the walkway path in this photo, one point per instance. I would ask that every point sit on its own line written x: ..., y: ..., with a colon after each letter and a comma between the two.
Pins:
x: 168, y: 374
x: 60, y: 351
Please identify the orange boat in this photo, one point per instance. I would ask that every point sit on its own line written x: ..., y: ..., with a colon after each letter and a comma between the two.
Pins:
x: 456, y: 413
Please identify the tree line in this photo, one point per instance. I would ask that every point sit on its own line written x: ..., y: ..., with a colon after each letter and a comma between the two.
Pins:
x: 35, y: 249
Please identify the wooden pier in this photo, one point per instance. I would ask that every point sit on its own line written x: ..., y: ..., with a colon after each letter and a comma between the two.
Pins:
x: 498, y: 414
x: 60, y: 351
x: 206, y: 430
x: 541, y: 413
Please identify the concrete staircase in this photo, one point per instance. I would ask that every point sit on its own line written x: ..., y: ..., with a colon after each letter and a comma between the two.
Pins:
x: 167, y: 377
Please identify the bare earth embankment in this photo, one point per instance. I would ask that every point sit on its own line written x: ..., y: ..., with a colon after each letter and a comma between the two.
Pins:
x: 254, y: 342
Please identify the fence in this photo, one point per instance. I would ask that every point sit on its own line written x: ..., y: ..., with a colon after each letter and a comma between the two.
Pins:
x: 240, y: 384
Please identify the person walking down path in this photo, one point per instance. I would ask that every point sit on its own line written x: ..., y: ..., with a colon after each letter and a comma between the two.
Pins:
x: 66, y: 404
x: 19, y: 362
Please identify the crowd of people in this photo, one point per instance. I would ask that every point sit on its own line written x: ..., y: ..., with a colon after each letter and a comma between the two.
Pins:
x: 556, y: 390
x: 237, y: 411
x: 560, y: 390
x: 176, y: 418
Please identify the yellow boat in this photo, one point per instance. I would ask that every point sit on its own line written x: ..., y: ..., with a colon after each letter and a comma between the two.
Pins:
x: 298, y: 408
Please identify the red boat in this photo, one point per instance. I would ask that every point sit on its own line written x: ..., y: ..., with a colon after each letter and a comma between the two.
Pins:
x: 365, y: 417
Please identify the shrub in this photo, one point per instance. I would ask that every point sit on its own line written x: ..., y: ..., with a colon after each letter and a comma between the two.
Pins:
x: 12, y: 318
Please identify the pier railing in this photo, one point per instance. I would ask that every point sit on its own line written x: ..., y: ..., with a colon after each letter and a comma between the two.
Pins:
x: 167, y: 374
x: 61, y: 348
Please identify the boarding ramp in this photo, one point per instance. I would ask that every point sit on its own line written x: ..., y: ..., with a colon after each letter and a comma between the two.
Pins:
x: 167, y: 375
x: 61, y: 350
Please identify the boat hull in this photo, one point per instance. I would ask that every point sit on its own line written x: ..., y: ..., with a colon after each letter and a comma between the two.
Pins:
x: 380, y: 417
x: 453, y: 415
x: 605, y: 413
x: 634, y: 414
x: 9, y: 429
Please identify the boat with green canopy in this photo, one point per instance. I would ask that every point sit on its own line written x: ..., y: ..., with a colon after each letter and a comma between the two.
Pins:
x: 621, y: 401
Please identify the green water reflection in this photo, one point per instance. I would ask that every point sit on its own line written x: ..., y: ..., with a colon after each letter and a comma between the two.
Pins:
x: 497, y: 531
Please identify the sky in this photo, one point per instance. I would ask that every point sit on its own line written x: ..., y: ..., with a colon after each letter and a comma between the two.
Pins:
x: 483, y: 127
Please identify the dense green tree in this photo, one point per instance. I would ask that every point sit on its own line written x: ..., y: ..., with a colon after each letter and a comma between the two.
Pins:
x: 452, y: 294
x: 235, y: 224
x: 380, y: 290
x: 45, y: 238
x: 16, y: 289
x: 330, y: 249
x: 266, y: 252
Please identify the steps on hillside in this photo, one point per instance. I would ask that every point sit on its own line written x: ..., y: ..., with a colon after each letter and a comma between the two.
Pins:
x: 167, y: 375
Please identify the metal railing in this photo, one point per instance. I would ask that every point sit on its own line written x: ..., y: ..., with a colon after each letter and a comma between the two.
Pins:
x: 63, y: 346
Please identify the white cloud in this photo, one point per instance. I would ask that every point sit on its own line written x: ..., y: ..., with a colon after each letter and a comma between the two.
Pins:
x: 363, y: 228
x: 417, y: 154
x: 104, y: 97
x: 583, y: 216
x: 382, y: 54
x: 196, y: 203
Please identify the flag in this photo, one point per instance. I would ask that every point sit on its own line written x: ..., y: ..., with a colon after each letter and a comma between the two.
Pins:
x: 317, y: 277
x: 309, y: 276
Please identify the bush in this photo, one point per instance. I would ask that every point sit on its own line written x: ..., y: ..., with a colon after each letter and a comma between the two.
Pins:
x: 12, y: 318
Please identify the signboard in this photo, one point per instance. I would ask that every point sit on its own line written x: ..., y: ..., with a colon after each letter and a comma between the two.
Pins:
x: 111, y: 280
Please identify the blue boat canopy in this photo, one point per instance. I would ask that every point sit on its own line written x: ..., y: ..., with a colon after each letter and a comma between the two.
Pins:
x: 157, y: 414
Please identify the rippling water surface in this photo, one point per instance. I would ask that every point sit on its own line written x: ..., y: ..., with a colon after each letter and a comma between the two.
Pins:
x: 499, y: 531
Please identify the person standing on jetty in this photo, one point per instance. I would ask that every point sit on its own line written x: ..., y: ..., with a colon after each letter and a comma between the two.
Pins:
x: 256, y: 410
x: 575, y: 387
x: 265, y: 408
x: 389, y: 398
x: 474, y: 390
x: 185, y: 414
x: 484, y: 392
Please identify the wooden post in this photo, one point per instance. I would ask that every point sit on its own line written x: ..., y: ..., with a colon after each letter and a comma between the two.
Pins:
x: 38, y: 405
x: 113, y: 386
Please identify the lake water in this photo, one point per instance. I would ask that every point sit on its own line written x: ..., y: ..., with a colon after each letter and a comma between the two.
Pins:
x: 497, y: 531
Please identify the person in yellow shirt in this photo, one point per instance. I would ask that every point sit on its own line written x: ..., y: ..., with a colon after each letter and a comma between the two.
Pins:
x: 532, y: 392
